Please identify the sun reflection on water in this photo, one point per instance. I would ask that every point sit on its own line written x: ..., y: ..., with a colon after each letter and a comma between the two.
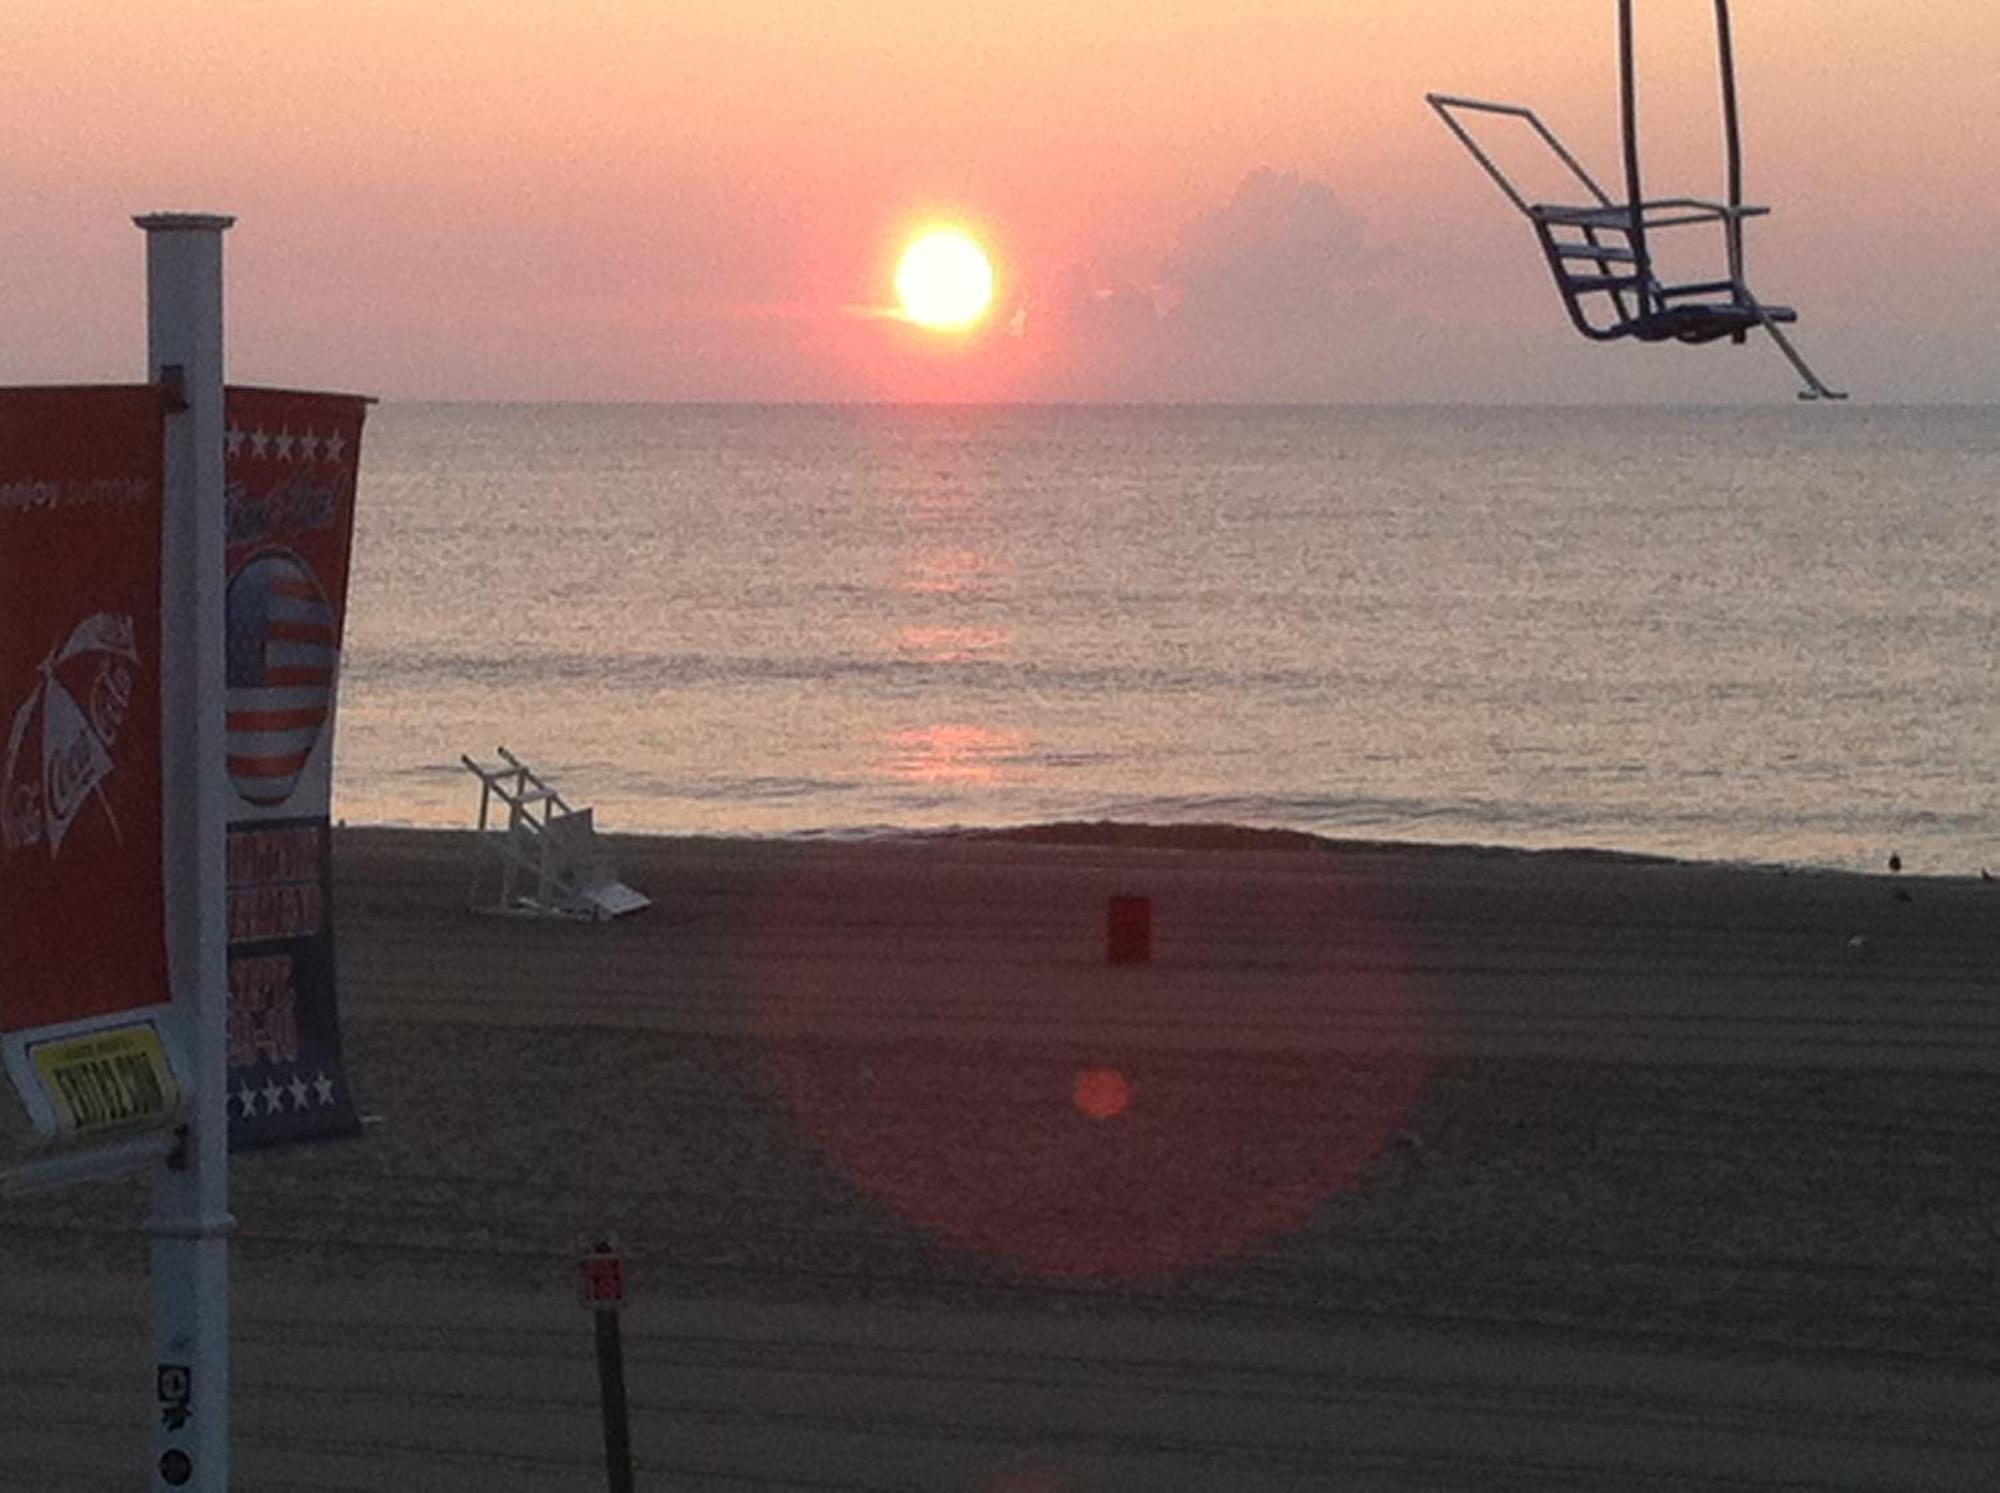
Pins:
x: 952, y: 753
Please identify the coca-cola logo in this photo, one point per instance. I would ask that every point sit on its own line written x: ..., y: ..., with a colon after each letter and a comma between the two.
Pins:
x: 61, y: 742
x: 72, y: 772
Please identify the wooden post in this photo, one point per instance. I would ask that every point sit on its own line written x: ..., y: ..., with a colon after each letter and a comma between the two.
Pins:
x: 603, y: 1290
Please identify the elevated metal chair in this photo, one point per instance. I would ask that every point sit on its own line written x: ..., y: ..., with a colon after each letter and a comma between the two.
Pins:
x: 1600, y: 251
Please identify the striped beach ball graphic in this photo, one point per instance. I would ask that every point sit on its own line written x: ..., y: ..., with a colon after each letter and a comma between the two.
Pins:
x: 282, y: 656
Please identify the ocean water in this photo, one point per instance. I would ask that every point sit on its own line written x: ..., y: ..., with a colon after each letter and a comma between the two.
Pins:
x: 1760, y: 634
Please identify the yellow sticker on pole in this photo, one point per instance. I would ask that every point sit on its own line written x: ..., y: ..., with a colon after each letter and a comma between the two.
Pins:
x: 109, y: 1080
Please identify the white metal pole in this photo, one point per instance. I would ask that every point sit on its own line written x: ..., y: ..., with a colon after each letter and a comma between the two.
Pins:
x: 191, y: 1224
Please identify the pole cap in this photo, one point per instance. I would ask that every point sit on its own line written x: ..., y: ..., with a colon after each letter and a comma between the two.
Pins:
x: 171, y: 222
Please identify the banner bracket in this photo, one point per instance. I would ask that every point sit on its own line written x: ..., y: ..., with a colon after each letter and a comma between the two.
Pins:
x: 99, y: 1163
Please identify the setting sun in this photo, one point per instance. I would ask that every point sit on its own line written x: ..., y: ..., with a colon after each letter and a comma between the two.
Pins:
x: 944, y: 280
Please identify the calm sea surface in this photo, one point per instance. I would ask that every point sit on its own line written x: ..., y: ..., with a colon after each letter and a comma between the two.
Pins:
x: 1766, y: 634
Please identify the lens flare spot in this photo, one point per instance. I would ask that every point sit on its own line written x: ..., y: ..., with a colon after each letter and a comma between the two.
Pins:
x: 1102, y: 1093
x: 971, y: 1140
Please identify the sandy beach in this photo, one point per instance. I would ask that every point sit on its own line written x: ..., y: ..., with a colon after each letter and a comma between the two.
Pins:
x: 1420, y: 1168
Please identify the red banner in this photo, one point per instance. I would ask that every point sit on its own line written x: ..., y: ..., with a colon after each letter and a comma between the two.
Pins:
x: 82, y: 911
x: 290, y: 465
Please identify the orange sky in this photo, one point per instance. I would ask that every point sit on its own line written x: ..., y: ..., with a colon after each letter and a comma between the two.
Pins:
x: 684, y: 199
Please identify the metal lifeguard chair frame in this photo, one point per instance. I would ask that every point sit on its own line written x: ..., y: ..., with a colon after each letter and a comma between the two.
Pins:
x: 1600, y: 251
x: 540, y: 857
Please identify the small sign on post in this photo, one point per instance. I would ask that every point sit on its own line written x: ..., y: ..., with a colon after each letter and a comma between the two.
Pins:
x: 603, y: 1276
x: 601, y: 1283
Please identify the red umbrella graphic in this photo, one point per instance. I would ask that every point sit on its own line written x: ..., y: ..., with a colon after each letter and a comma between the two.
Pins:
x: 80, y: 702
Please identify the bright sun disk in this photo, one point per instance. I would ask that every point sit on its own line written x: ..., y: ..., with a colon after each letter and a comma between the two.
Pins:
x: 944, y: 280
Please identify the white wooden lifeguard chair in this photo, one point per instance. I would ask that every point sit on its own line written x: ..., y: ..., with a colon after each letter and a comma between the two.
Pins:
x: 538, y: 857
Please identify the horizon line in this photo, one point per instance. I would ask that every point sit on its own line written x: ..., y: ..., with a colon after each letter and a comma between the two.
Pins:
x: 1217, y: 405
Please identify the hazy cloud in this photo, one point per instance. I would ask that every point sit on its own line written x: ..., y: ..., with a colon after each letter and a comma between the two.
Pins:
x: 1257, y: 299
x: 1281, y: 246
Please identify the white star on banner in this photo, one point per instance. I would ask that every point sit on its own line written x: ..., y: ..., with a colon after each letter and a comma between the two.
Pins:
x: 325, y: 1087
x: 298, y: 1088
x: 335, y: 444
x: 308, y: 447
x: 258, y: 441
x: 247, y: 1097
x: 273, y: 1095
x: 233, y: 439
x: 285, y: 444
